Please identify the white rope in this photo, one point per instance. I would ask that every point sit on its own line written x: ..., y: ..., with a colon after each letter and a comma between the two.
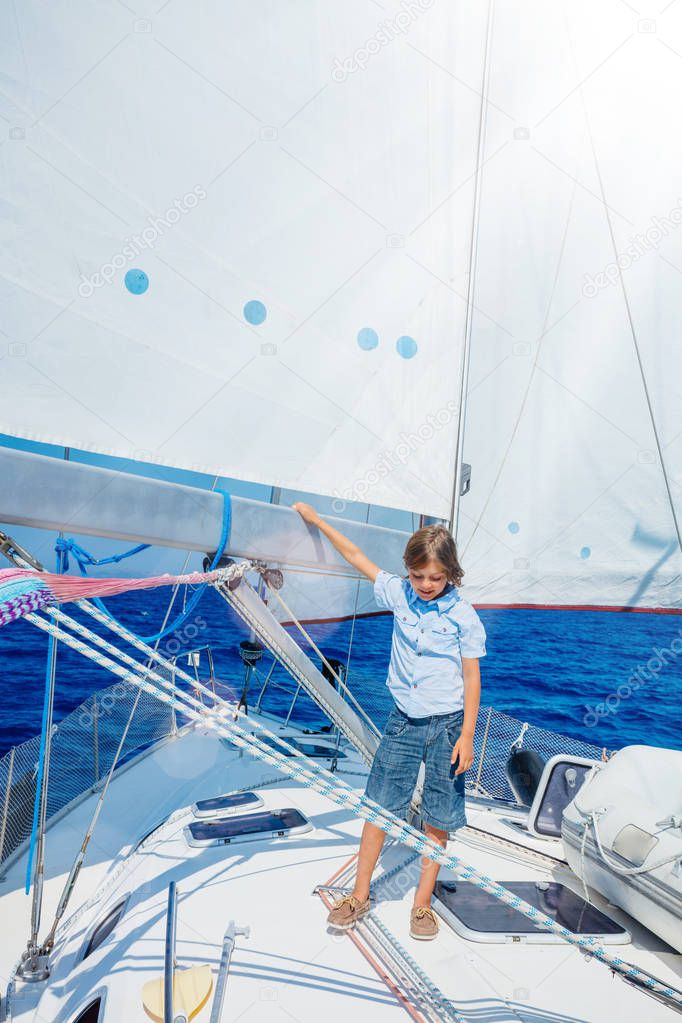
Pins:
x: 612, y: 864
x: 354, y: 736
x: 299, y: 626
x: 586, y: 826
x: 226, y: 575
x: 518, y: 742
x: 301, y: 769
x: 80, y: 857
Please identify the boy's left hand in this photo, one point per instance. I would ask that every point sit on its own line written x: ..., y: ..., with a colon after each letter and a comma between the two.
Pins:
x: 464, y: 749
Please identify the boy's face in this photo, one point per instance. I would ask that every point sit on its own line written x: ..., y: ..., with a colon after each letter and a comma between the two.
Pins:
x: 429, y: 580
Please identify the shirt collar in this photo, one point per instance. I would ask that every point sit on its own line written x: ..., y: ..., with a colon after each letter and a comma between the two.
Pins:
x: 447, y: 599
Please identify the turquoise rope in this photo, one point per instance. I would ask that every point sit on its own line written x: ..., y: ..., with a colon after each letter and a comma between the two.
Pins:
x: 84, y: 558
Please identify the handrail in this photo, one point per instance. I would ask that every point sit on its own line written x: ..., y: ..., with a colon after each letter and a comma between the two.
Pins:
x: 169, y: 956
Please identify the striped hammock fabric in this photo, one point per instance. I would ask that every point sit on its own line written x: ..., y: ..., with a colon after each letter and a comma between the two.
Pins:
x: 23, y: 590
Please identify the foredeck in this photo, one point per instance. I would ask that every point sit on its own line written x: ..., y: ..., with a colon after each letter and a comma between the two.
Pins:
x: 292, y: 966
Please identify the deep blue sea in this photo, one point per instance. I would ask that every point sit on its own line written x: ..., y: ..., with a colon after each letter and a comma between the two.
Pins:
x: 551, y: 668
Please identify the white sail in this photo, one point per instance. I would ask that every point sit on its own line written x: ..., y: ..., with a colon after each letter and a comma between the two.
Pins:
x: 272, y: 169
x: 296, y: 181
x: 574, y: 415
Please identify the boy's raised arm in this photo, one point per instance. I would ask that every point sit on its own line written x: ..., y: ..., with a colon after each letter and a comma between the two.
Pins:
x: 346, y: 548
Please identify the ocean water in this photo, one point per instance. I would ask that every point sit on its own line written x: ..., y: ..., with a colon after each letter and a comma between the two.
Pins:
x: 611, y: 679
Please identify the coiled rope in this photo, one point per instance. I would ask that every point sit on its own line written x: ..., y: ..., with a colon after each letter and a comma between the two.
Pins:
x: 66, y: 546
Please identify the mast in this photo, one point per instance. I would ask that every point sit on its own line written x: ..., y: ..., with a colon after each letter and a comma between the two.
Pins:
x: 453, y: 523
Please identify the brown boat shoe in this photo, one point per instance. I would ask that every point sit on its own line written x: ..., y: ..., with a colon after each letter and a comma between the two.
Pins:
x: 423, y: 923
x: 346, y: 911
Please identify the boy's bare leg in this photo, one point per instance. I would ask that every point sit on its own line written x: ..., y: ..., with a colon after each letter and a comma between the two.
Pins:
x: 427, y: 880
x: 371, y: 844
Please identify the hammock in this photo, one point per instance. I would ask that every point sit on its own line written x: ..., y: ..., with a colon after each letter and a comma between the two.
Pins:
x: 23, y: 590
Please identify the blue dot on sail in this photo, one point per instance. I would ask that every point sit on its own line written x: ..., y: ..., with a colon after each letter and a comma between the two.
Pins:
x: 406, y: 346
x: 255, y: 312
x: 585, y: 552
x: 136, y: 281
x: 368, y: 339
x: 513, y: 527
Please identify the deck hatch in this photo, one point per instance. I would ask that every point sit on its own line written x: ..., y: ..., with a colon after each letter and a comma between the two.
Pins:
x: 479, y: 916
x: 104, y: 928
x: 314, y: 749
x: 307, y: 749
x: 90, y: 1013
x: 247, y: 827
x: 228, y: 803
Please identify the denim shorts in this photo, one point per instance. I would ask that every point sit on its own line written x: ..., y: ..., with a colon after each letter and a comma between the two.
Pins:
x: 407, y: 742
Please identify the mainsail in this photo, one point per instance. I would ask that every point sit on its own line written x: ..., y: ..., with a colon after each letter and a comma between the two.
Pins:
x: 220, y: 243
x: 240, y: 239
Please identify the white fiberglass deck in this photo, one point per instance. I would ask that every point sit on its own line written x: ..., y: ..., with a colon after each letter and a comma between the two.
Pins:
x: 291, y: 966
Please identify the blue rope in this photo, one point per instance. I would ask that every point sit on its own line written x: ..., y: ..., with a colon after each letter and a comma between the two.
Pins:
x: 84, y: 558
x: 41, y: 755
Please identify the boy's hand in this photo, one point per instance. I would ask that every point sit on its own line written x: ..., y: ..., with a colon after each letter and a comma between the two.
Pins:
x: 307, y: 512
x: 464, y: 749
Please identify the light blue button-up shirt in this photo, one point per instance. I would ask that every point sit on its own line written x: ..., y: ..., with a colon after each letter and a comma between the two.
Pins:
x: 430, y: 637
